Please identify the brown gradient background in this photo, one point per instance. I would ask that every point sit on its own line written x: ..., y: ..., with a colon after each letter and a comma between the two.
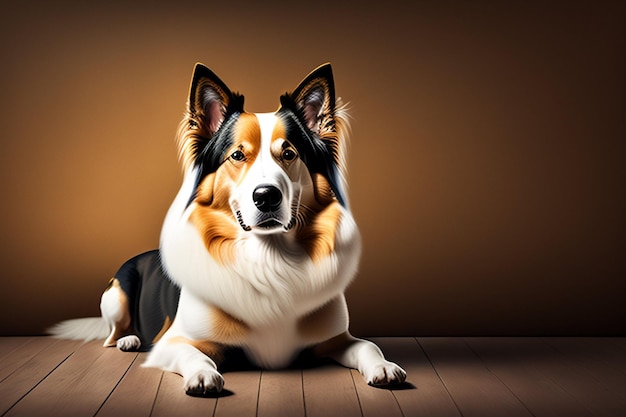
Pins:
x: 487, y: 165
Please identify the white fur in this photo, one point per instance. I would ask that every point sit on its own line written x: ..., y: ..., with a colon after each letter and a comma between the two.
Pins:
x: 128, y: 343
x: 88, y: 328
x: 111, y: 308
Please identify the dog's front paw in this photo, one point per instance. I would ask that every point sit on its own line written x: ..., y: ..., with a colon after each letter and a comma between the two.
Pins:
x: 203, y: 382
x: 385, y: 373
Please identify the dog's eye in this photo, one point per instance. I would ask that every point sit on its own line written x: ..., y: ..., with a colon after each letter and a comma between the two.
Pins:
x: 289, y: 155
x: 238, y: 156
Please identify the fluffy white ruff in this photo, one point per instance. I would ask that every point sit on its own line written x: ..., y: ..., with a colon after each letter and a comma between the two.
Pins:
x: 271, y: 277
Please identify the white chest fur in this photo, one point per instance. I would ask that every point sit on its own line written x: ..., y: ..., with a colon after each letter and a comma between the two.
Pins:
x: 270, y: 280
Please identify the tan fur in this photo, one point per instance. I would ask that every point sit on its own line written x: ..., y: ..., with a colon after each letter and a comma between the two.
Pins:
x: 213, y: 350
x: 212, y: 215
x: 323, y: 192
x: 317, y: 234
x: 279, y: 131
x: 214, y: 221
x: 318, y: 237
x: 342, y: 138
x: 166, y: 325
x: 248, y: 135
x: 218, y: 231
x: 204, y: 194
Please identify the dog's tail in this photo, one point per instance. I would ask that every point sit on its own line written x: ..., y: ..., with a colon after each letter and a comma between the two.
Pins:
x: 88, y: 328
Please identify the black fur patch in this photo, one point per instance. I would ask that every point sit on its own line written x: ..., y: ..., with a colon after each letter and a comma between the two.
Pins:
x: 152, y: 296
x: 208, y: 148
x: 317, y: 154
x: 210, y: 153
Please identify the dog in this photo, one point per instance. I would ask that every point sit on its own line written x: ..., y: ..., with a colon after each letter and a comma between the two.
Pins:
x: 256, y: 250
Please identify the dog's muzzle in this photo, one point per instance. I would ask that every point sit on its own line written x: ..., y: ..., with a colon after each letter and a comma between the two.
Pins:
x: 272, y: 213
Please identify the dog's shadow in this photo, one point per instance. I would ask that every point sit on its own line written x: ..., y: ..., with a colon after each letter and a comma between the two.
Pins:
x: 396, y: 387
x: 237, y: 361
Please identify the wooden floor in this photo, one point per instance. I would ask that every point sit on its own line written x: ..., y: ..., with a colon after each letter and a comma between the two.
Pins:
x: 40, y: 376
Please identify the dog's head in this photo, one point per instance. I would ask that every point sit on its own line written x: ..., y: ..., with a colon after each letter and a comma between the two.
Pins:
x: 262, y: 173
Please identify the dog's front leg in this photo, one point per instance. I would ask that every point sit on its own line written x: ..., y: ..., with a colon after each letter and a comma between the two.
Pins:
x: 194, y: 360
x: 363, y: 356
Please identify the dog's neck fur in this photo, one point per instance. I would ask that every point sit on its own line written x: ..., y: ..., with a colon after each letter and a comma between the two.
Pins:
x: 252, y: 287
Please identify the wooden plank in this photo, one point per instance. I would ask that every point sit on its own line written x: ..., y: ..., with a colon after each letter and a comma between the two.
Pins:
x: 618, y: 341
x: 281, y: 394
x: 329, y: 391
x: 244, y: 385
x: 516, y: 368
x: 480, y: 376
x: 594, y: 351
x: 136, y: 393
x: 31, y: 373
x: 604, y: 361
x: 79, y: 386
x: 375, y: 401
x: 9, y: 344
x: 424, y: 393
x: 474, y: 389
x: 597, y: 396
x: 22, y: 354
x: 171, y: 400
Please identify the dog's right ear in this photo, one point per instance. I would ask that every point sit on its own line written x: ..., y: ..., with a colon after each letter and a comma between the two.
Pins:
x: 210, y: 101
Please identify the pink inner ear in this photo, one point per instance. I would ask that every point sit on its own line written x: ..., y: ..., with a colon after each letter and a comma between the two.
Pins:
x: 214, y: 115
x: 311, y: 115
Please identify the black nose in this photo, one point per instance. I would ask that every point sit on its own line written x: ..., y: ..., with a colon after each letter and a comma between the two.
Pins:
x: 267, y: 198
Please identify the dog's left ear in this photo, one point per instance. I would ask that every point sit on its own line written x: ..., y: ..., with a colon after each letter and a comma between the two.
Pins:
x: 313, y: 103
x: 315, y: 98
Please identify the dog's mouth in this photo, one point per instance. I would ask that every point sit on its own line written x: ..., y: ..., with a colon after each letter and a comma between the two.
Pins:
x: 269, y: 224
x: 266, y: 223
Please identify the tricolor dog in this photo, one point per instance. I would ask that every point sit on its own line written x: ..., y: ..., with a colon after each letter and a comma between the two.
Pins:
x: 256, y: 250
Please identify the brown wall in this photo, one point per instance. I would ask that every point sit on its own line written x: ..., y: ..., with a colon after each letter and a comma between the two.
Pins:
x: 487, y: 163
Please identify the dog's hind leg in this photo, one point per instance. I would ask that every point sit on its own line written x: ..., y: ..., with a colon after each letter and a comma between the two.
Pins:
x: 128, y: 343
x: 114, y: 308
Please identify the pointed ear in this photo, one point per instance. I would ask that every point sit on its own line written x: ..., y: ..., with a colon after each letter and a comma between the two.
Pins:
x: 210, y: 100
x: 315, y: 98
